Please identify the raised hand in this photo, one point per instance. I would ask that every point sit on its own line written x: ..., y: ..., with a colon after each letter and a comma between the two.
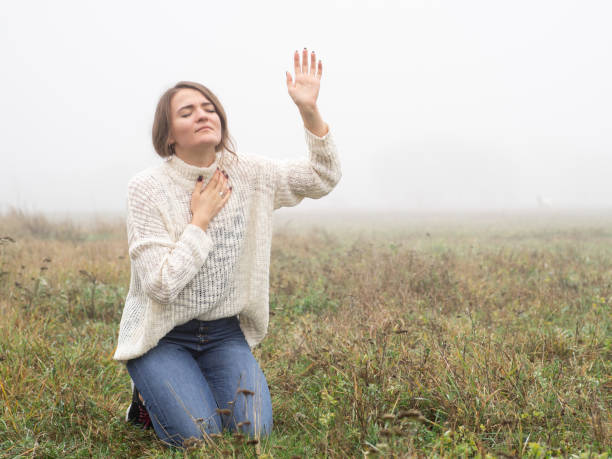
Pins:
x: 304, y: 90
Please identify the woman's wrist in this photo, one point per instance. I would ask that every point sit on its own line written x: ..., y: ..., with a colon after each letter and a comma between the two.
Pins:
x: 313, y: 121
x: 201, y: 222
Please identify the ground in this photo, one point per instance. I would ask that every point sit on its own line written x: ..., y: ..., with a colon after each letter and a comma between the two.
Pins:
x: 390, y: 335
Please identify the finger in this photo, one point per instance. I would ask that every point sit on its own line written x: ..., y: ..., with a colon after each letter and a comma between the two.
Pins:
x: 212, y: 184
x: 226, y: 196
x: 221, y: 183
x: 320, y: 72
x: 305, y: 61
x: 224, y: 192
x: 313, y: 64
x: 216, y: 192
x: 296, y: 64
x: 289, y: 79
x: 198, y: 185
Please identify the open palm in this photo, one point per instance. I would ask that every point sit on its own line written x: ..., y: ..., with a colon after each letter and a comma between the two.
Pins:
x: 304, y: 90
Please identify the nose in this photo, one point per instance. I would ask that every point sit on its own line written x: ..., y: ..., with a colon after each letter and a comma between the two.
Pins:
x: 202, y: 114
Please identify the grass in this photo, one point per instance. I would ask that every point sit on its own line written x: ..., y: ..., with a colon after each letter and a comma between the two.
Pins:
x: 390, y: 336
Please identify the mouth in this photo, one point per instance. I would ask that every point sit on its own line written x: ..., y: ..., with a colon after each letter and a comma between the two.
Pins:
x: 203, y: 128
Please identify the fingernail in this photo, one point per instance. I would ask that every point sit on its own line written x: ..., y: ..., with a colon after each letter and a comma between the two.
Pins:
x: 230, y: 188
x: 226, y: 174
x: 200, y: 178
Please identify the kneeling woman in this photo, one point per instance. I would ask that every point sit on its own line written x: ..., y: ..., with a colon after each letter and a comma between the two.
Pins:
x: 199, y: 233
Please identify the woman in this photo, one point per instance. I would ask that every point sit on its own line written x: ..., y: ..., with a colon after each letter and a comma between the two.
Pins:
x: 199, y: 234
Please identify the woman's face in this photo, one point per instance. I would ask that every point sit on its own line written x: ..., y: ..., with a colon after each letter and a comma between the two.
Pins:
x: 195, y: 122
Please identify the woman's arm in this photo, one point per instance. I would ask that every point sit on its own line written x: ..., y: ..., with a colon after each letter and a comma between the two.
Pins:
x: 164, y: 267
x: 316, y: 176
x: 311, y: 177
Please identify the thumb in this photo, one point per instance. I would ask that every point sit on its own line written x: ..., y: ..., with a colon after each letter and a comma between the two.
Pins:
x: 289, y: 79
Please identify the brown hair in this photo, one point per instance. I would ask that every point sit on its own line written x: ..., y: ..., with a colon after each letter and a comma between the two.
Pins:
x: 163, y: 120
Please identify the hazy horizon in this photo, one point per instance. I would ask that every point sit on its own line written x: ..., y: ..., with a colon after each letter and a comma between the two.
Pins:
x: 434, y: 105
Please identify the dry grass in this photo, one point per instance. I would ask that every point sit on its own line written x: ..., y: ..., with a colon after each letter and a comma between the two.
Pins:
x: 436, y: 335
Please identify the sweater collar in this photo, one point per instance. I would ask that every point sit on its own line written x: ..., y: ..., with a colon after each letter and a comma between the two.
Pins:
x: 187, y: 174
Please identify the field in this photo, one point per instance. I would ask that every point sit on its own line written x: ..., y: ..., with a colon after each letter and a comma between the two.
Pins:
x: 390, y: 336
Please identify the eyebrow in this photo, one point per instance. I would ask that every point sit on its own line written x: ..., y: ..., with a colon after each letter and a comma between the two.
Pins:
x: 191, y: 106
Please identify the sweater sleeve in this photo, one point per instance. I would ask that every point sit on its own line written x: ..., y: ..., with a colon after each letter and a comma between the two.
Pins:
x: 163, y: 266
x: 311, y: 177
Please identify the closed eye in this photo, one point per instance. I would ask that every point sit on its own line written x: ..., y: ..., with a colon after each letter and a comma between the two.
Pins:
x: 207, y: 110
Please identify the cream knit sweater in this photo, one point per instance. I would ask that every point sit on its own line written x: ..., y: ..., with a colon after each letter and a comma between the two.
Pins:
x: 180, y: 272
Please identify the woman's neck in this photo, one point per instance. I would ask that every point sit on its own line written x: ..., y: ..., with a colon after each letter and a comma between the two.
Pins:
x: 199, y: 158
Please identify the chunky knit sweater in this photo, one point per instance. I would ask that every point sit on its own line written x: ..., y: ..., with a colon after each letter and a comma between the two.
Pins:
x: 180, y: 272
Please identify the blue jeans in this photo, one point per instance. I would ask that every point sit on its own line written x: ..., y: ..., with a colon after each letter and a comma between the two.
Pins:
x: 201, y: 378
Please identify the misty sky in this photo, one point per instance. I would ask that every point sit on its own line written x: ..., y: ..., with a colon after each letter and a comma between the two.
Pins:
x: 433, y: 104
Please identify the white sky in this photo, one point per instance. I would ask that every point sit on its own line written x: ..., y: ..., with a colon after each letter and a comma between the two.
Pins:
x: 433, y: 104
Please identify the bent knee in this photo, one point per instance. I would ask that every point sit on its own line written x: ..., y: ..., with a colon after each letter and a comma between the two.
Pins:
x: 190, y: 431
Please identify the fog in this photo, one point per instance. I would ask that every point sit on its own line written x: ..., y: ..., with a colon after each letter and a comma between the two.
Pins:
x: 434, y: 105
